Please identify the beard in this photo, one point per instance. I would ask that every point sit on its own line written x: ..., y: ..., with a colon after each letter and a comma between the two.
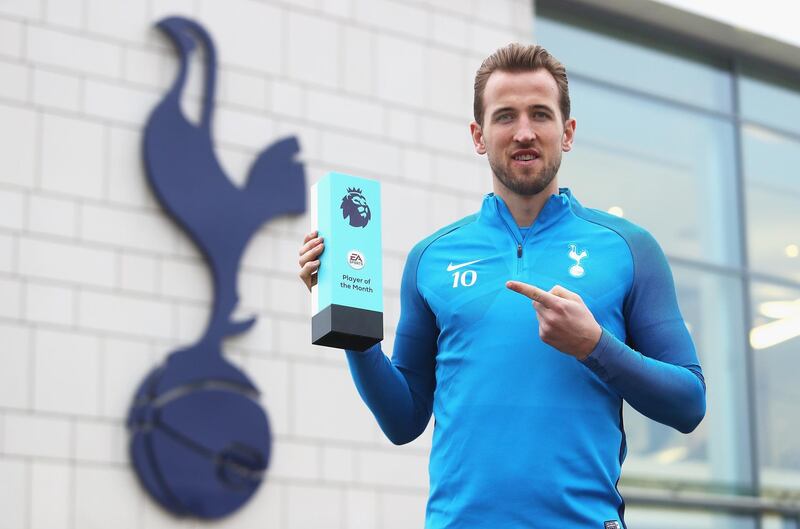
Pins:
x: 528, y: 183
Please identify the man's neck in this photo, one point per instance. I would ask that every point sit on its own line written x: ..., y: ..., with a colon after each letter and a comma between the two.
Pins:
x: 525, y: 208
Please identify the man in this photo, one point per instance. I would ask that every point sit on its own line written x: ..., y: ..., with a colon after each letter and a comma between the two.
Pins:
x: 528, y: 401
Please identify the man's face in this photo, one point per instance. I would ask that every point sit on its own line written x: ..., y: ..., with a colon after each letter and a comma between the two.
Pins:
x: 523, y: 132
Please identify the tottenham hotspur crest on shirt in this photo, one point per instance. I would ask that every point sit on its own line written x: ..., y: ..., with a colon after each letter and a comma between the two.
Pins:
x: 577, y: 270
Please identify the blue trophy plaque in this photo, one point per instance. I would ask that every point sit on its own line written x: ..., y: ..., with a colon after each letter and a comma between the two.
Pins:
x: 347, y: 302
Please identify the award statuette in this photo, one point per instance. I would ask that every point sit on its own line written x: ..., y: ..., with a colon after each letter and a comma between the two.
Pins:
x: 347, y: 302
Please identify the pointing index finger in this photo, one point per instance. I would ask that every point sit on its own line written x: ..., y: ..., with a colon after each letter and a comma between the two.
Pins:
x: 533, y: 292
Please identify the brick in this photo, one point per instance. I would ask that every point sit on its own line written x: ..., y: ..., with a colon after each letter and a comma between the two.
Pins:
x: 37, y: 436
x: 338, y: 464
x: 271, y: 376
x: 313, y: 64
x: 345, y: 112
x: 12, y: 209
x: 10, y: 298
x: 94, y: 440
x: 243, y: 89
x: 417, y: 166
x: 165, y: 8
x: 186, y: 279
x: 66, y: 262
x: 18, y: 138
x: 392, y: 467
x: 370, y: 157
x: 339, y: 8
x: 67, y: 372
x: 15, y: 377
x: 49, y: 304
x: 192, y: 321
x: 125, y: 364
x: 449, y: 30
x: 339, y: 415
x: 146, y: 67
x: 327, y: 511
x: 51, y: 486
x: 401, y: 511
x: 140, y: 230
x: 118, y: 19
x: 78, y: 53
x: 460, y: 173
x: 11, y: 38
x: 262, y: 23
x: 14, y: 492
x: 361, y: 507
x: 358, y: 61
x: 265, y: 510
x: 393, y: 16
x: 400, y: 69
x: 286, y: 295
x: 287, y: 98
x: 28, y: 9
x: 127, y: 182
x: 401, y: 125
x: 68, y: 13
x: 486, y: 39
x: 293, y: 460
x: 128, y: 315
x: 403, y: 230
x: 251, y: 292
x: 51, y: 215
x: 138, y: 273
x: 72, y: 156
x: 8, y: 251
x: 500, y: 13
x: 15, y: 81
x: 56, y: 90
x: 294, y: 338
x: 447, y: 134
x: 107, y: 497
x: 460, y: 8
x: 449, y: 91
x: 119, y: 103
x: 244, y: 128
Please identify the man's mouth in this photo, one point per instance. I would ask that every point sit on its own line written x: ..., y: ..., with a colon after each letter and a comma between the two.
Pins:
x: 525, y: 155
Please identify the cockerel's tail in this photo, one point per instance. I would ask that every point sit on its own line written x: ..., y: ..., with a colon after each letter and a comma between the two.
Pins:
x: 276, y: 183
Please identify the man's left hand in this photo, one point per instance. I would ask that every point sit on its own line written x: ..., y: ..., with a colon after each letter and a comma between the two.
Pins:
x: 565, y: 321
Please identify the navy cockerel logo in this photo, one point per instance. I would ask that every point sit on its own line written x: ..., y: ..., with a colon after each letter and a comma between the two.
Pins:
x: 200, y: 440
x: 355, y: 208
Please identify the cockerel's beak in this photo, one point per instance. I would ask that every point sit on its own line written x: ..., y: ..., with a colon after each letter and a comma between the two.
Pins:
x: 177, y: 29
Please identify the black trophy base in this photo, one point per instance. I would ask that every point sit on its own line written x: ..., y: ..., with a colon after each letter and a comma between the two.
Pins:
x: 346, y: 327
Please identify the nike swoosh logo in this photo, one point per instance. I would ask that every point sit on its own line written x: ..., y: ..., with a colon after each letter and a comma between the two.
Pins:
x: 452, y: 267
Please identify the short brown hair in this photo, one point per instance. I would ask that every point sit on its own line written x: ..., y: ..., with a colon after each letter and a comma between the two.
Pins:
x: 520, y: 58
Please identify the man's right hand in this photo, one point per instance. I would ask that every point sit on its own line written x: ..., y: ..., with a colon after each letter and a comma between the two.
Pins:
x: 309, y: 258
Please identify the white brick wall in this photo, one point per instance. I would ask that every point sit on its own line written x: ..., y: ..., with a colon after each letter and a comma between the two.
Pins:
x: 97, y: 284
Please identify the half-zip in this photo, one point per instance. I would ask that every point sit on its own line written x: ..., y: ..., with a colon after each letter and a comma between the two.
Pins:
x: 514, y: 232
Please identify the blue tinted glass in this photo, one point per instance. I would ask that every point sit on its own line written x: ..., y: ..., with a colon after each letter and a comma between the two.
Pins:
x: 771, y: 163
x: 666, y: 169
x: 775, y: 339
x: 659, y: 518
x: 773, y: 104
x: 593, y: 51
x: 717, y: 451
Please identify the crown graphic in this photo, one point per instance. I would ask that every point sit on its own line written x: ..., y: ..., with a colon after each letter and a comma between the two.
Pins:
x: 354, y: 190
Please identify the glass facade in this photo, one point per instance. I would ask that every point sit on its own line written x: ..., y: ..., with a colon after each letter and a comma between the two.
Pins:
x: 701, y: 150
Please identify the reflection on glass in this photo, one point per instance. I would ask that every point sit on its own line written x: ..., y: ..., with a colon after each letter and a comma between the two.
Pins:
x: 656, y: 518
x: 777, y: 389
x: 771, y: 103
x: 668, y: 170
x: 717, y: 452
x: 590, y: 49
x: 772, y: 189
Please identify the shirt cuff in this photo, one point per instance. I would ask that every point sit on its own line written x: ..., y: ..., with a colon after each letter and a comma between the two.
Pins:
x: 598, y: 358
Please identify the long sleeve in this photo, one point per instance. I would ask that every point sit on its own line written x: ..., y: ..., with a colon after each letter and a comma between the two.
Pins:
x: 657, y: 371
x: 400, y: 392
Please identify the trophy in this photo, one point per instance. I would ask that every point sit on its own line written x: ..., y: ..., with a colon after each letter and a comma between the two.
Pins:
x: 347, y: 301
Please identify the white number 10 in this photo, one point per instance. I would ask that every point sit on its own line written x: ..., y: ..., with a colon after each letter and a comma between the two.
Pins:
x: 466, y: 279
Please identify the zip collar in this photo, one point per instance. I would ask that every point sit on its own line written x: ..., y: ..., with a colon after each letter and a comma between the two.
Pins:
x: 494, y: 211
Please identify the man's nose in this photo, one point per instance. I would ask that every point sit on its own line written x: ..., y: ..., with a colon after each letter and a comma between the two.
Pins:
x: 525, y: 132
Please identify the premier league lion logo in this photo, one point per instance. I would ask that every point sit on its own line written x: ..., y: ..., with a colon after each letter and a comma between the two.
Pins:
x: 355, y: 208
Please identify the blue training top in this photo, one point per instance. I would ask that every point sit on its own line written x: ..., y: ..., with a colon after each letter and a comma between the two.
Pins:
x: 527, y: 436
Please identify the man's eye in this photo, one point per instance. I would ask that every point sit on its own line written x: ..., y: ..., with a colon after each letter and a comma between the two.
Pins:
x: 504, y: 117
x: 541, y: 115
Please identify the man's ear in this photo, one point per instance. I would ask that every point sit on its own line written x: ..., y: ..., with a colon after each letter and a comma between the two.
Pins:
x: 569, y: 134
x: 477, y: 137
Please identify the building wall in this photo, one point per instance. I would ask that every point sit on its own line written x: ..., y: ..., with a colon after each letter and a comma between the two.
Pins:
x: 97, y: 285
